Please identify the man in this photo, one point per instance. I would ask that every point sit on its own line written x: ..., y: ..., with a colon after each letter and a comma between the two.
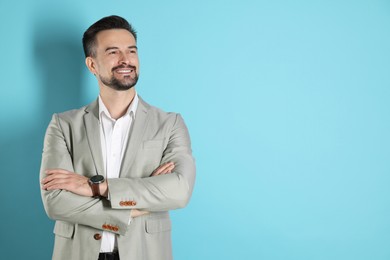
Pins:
x: 112, y: 170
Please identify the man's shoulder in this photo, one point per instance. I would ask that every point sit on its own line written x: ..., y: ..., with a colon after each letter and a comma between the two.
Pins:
x: 76, y: 114
x: 72, y: 114
x: 156, y: 112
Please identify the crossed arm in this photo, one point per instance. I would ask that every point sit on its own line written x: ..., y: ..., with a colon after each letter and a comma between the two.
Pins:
x: 60, y: 179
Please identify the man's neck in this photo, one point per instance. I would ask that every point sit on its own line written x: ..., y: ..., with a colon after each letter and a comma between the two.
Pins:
x: 116, y: 102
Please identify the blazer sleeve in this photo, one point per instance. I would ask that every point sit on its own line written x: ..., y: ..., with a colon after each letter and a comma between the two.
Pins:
x: 163, y: 192
x: 67, y: 206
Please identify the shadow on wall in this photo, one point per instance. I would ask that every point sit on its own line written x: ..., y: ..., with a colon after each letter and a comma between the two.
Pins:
x: 58, y: 60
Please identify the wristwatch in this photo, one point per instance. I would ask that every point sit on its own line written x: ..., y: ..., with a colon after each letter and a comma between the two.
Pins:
x: 94, y: 182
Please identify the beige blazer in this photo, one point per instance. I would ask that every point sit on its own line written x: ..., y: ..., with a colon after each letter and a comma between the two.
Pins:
x: 72, y: 142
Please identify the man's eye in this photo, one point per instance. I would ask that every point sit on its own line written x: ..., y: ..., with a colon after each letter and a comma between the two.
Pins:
x: 112, y: 52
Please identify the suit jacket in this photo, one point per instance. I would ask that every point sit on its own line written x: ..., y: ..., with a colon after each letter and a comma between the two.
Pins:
x: 72, y: 142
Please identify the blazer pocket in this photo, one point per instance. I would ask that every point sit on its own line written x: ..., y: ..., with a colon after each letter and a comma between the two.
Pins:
x: 150, y: 144
x: 158, y: 225
x: 64, y: 229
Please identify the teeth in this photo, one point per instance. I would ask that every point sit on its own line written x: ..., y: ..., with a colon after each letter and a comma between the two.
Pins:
x: 125, y: 71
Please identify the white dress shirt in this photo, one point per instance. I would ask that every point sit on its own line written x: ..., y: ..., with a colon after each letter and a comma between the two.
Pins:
x: 113, y: 137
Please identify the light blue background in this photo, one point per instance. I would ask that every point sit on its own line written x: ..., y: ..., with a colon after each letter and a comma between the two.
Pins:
x: 287, y: 103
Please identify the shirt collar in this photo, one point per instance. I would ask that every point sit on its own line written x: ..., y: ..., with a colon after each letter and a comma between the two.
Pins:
x: 131, y: 110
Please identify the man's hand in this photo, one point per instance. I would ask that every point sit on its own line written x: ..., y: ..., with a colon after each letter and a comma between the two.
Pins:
x: 59, y: 179
x: 163, y: 169
x: 137, y: 213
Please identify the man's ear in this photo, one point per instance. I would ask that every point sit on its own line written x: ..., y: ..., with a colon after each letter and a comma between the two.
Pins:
x: 90, y: 65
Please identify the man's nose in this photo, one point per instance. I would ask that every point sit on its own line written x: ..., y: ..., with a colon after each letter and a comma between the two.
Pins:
x: 124, y: 59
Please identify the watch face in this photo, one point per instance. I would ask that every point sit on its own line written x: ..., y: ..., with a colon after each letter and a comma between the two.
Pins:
x: 97, y: 179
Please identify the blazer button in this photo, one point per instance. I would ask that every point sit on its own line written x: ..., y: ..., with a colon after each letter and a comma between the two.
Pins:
x: 115, y: 228
x: 133, y: 203
x: 97, y: 236
x: 122, y: 203
x: 105, y: 226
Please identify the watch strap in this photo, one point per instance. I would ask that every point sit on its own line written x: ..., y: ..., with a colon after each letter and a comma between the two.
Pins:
x: 95, y: 190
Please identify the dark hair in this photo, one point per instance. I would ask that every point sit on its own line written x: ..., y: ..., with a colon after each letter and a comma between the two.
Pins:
x: 106, y: 23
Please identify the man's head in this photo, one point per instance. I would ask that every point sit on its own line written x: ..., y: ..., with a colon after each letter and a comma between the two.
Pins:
x: 111, y: 53
x: 106, y: 23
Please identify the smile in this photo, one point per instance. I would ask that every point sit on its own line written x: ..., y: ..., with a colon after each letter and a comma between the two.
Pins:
x: 124, y: 71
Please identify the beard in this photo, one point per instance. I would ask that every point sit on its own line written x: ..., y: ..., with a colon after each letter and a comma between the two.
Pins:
x: 120, y: 84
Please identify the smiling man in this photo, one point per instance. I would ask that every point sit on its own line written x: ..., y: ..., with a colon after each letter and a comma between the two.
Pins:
x: 112, y: 170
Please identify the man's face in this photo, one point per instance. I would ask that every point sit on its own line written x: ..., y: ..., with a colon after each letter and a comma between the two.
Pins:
x: 116, y: 61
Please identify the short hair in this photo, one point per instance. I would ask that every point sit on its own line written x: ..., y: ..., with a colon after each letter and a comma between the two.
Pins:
x: 106, y: 23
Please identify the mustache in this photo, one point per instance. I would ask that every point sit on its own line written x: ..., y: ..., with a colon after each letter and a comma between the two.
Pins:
x: 124, y: 67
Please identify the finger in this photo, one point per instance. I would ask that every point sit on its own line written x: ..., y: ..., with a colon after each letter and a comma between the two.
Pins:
x: 162, y: 168
x: 56, y: 184
x: 144, y: 212
x: 70, y: 184
x: 134, y: 213
x: 55, y: 176
x: 169, y: 166
x: 168, y: 170
x: 57, y: 180
x: 155, y: 173
x: 137, y: 213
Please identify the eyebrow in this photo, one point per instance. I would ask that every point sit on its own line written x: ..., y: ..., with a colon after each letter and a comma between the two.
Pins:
x: 116, y: 48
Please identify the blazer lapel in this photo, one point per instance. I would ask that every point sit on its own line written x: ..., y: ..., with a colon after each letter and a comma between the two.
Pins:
x: 138, y: 128
x: 92, y: 126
